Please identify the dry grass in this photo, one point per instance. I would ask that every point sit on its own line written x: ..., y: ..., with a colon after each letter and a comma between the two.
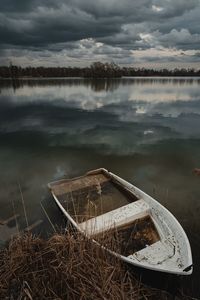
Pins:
x: 65, y: 267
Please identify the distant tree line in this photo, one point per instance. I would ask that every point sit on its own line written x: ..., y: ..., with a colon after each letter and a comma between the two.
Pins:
x: 96, y: 70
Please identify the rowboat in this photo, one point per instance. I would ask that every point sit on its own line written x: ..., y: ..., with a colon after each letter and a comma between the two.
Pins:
x: 105, y: 207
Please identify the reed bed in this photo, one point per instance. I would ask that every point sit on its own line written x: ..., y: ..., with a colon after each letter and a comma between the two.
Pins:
x: 66, y: 266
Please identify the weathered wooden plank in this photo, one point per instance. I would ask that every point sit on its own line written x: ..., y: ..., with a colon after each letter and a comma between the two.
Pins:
x: 34, y: 225
x: 4, y: 222
x: 77, y: 184
x: 120, y: 216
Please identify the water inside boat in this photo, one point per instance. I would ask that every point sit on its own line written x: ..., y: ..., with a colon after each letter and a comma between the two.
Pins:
x: 90, y: 196
x: 129, y: 238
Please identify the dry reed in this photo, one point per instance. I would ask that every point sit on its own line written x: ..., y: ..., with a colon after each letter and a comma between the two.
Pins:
x: 65, y: 267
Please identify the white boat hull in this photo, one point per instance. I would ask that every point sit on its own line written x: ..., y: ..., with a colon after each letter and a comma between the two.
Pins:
x: 170, y: 254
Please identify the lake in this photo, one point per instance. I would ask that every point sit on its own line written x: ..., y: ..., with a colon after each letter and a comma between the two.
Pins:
x: 146, y: 130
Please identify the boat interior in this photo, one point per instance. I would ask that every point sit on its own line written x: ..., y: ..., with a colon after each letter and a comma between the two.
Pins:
x: 129, y: 238
x: 108, y: 212
x: 91, y: 195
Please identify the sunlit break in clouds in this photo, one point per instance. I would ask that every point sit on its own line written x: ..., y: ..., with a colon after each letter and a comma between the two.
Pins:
x: 142, y: 33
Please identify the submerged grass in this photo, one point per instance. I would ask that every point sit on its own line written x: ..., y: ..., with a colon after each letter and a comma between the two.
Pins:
x: 66, y: 266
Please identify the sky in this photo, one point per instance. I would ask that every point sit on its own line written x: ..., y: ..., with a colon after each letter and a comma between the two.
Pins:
x: 140, y: 33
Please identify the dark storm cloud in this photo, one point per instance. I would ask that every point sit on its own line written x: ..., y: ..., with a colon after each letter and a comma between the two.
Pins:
x: 96, y: 30
x: 12, y: 6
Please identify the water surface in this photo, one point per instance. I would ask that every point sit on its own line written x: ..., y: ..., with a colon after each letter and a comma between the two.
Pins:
x: 147, y: 130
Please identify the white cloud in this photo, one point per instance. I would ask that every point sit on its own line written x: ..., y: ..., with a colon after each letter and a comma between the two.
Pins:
x: 157, y: 8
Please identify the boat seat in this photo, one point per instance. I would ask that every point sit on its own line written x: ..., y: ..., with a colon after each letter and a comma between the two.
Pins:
x: 156, y: 253
x: 115, y: 218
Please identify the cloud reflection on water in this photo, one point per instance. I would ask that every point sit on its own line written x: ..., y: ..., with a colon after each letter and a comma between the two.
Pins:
x: 113, y: 113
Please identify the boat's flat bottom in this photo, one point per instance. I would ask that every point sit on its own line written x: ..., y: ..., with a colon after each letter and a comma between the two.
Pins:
x: 130, y: 238
x: 90, y: 196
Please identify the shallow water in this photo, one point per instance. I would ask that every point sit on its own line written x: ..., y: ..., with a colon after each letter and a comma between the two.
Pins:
x: 147, y: 130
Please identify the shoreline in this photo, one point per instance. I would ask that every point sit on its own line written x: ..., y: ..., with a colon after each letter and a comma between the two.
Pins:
x: 95, y: 78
